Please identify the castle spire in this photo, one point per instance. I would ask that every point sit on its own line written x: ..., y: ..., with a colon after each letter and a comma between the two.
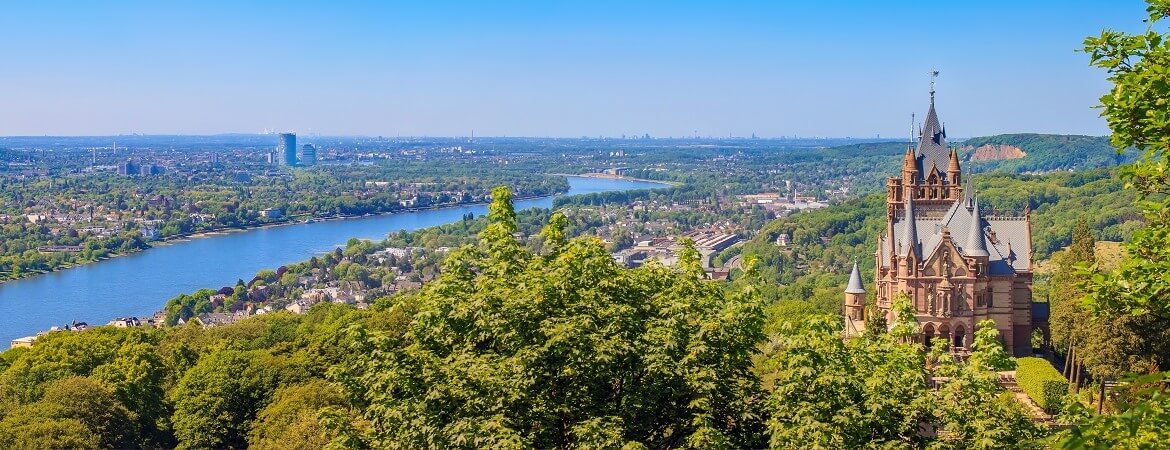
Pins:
x: 976, y: 242
x: 932, y: 143
x: 910, y: 231
x: 954, y: 164
x: 855, y: 286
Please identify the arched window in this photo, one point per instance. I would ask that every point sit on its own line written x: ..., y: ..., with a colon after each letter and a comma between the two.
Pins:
x: 960, y: 336
x: 927, y: 334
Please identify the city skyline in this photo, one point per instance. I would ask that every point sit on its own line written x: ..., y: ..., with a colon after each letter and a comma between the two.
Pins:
x: 515, y: 69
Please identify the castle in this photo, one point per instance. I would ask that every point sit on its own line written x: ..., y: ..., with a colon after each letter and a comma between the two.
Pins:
x: 957, y: 264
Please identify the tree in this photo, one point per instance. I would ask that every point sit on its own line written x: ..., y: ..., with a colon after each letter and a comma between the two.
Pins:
x: 1139, y: 68
x: 1136, y: 113
x: 69, y: 406
x: 1143, y: 423
x: 554, y: 232
x: 137, y: 375
x: 971, y: 411
x: 987, y: 351
x: 291, y: 421
x: 831, y: 393
x: 512, y: 350
x: 905, y: 325
x: 217, y: 399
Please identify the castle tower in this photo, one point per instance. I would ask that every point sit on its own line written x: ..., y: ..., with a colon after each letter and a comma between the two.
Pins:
x: 957, y: 266
x: 854, y: 304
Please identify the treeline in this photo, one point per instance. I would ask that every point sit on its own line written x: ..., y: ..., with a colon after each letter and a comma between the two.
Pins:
x: 21, y: 255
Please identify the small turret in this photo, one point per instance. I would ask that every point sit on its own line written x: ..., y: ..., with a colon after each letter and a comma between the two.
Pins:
x: 855, y: 286
x: 909, y: 167
x: 954, y: 172
x: 854, y: 304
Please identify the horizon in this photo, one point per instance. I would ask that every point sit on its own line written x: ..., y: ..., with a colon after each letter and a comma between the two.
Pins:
x: 518, y: 69
x: 861, y: 139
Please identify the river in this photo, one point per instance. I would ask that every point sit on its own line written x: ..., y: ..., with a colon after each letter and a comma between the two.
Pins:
x: 140, y: 284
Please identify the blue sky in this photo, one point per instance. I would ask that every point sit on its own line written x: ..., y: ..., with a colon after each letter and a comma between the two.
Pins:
x: 782, y: 68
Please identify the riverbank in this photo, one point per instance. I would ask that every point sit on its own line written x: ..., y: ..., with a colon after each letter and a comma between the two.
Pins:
x: 139, y: 284
x: 610, y: 176
x: 293, y: 220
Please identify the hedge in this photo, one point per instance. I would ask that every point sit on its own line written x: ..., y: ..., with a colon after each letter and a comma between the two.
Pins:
x: 1042, y: 382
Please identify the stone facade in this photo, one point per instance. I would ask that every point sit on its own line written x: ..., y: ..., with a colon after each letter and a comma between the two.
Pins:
x: 957, y: 264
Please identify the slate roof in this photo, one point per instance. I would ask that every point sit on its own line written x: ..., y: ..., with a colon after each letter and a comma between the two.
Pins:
x: 932, y: 145
x: 1010, y: 253
x: 855, y: 286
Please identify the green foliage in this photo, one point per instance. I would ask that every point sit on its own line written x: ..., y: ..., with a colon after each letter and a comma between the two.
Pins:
x: 971, y: 411
x: 987, y: 351
x: 1143, y: 423
x: 1047, y: 152
x: 1136, y: 113
x: 74, y: 412
x: 831, y: 393
x: 870, y: 392
x: 905, y: 326
x: 217, y: 399
x: 1042, y: 382
x: 291, y: 420
x: 514, y: 350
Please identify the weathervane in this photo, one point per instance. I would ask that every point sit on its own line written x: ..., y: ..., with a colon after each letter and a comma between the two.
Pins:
x: 933, y: 75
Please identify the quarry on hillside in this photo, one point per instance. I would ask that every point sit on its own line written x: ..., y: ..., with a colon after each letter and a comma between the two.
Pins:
x: 995, y: 152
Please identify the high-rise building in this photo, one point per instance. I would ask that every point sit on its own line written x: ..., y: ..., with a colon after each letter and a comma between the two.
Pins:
x: 128, y: 168
x: 286, y: 148
x: 957, y: 265
x: 308, y: 155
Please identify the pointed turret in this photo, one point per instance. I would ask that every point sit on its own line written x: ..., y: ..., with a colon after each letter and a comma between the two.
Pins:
x: 910, y: 233
x: 855, y: 286
x: 909, y: 162
x: 953, y: 167
x: 854, y: 304
x: 976, y: 244
x: 968, y: 192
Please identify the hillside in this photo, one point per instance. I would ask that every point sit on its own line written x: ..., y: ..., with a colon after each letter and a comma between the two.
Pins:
x: 1023, y: 153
